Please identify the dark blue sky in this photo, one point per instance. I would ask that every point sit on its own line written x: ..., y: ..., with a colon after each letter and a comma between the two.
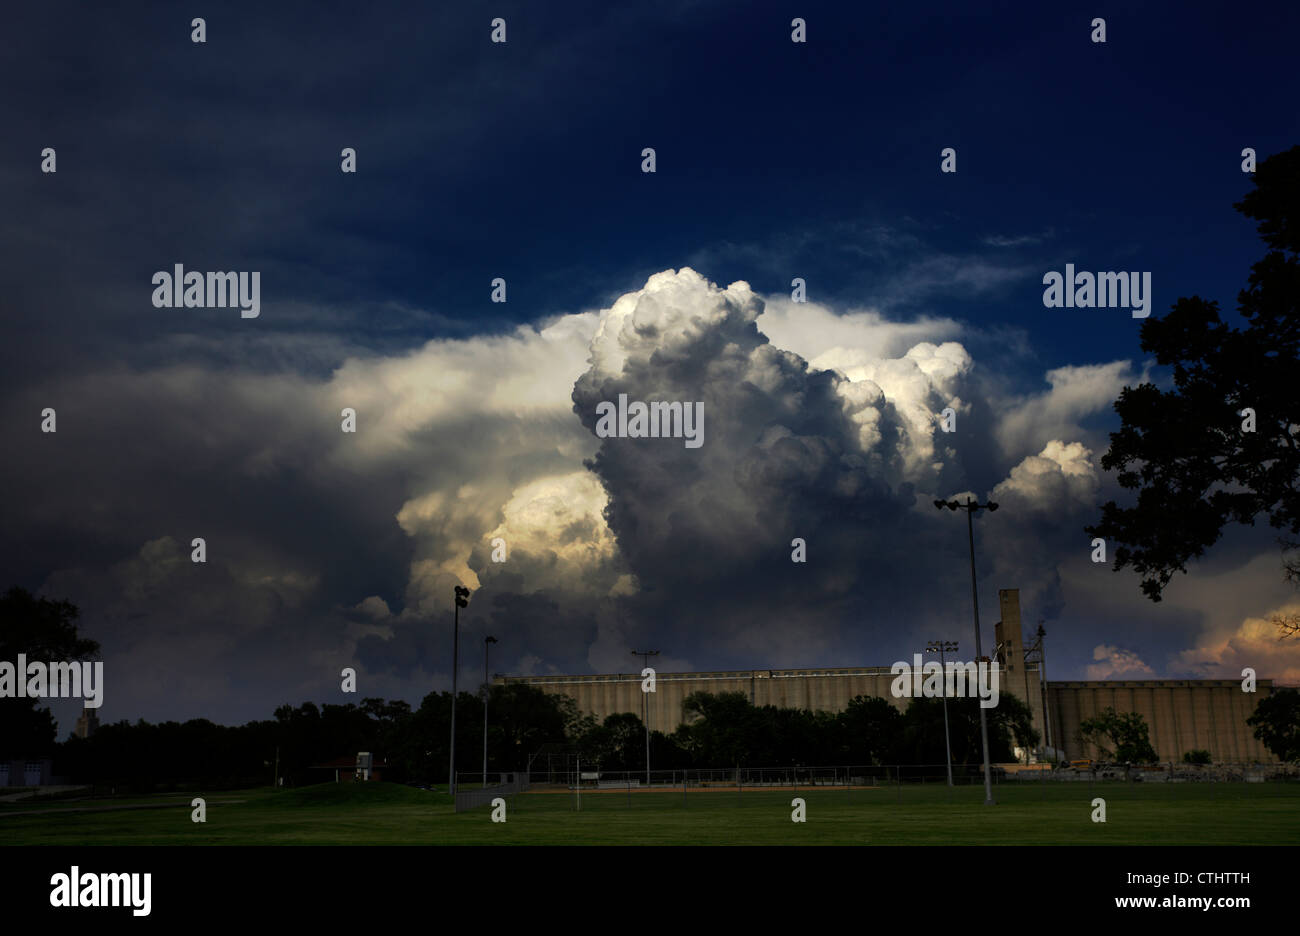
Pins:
x: 522, y: 160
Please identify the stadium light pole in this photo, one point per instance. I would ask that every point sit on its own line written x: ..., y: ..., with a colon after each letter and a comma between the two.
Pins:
x: 462, y: 601
x: 940, y: 647
x: 645, y: 656
x: 487, y: 642
x: 970, y: 507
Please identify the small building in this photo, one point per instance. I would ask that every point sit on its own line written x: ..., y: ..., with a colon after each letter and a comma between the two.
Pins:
x: 363, y: 767
x: 26, y: 772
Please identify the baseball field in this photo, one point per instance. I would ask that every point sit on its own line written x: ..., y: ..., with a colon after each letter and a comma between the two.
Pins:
x: 391, y: 814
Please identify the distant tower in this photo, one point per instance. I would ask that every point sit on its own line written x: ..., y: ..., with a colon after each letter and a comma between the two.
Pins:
x: 87, y: 723
x: 1010, y: 651
x: 1010, y: 654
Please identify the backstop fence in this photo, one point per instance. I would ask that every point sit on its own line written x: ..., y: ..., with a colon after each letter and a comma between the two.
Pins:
x: 470, y: 795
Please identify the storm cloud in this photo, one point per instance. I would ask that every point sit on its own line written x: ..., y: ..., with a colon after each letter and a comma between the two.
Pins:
x: 328, y: 549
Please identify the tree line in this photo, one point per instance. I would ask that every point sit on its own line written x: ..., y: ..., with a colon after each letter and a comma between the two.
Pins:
x: 719, y: 730
x: 722, y: 730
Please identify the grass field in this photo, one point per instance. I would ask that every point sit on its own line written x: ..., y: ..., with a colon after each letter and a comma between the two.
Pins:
x: 383, y: 813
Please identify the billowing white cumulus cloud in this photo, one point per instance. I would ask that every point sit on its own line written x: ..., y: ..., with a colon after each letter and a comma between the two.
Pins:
x: 1076, y: 392
x: 555, y: 537
x: 330, y: 549
x: 1060, y: 479
x: 1043, y: 505
x: 811, y: 329
x: 889, y: 368
x: 471, y: 423
x: 827, y: 451
x: 917, y: 388
x: 1116, y: 663
x: 523, y: 377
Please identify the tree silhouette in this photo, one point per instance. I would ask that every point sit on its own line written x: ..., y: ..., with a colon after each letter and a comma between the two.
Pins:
x: 46, y: 631
x: 1276, y: 721
x: 1121, y: 735
x: 1190, y: 451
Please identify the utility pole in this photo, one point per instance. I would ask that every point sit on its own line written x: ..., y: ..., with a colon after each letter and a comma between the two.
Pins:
x: 645, y: 708
x: 940, y: 647
x: 487, y: 642
x: 462, y: 601
x: 970, y: 506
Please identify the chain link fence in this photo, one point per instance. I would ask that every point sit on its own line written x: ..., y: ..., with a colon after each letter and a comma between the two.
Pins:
x: 470, y: 795
x: 887, y: 775
x: 898, y: 780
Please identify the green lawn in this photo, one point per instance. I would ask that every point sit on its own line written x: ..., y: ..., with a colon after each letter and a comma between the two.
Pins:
x: 383, y: 813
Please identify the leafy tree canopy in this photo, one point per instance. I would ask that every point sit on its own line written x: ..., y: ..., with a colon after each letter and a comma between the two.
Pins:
x: 1190, y: 451
x: 45, y: 630
x: 1276, y: 721
x: 1122, y: 736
